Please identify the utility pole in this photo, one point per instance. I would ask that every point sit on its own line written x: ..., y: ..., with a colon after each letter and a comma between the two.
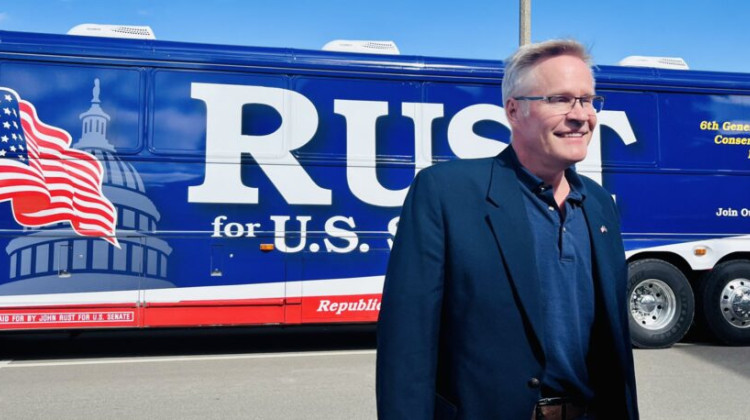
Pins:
x: 524, y: 27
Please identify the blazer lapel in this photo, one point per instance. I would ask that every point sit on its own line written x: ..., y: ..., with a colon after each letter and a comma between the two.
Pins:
x: 511, y: 228
x: 600, y: 249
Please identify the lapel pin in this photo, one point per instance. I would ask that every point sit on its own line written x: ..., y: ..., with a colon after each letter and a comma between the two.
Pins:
x: 603, y: 229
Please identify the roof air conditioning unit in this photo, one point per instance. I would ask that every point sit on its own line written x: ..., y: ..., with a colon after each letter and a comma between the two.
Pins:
x: 368, y: 47
x: 113, y: 31
x: 675, y: 63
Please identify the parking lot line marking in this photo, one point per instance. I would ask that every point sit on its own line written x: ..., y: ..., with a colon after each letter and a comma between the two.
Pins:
x: 157, y: 359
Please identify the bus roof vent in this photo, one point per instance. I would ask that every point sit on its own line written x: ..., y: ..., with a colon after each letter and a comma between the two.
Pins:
x: 370, y: 47
x: 675, y: 63
x: 113, y: 31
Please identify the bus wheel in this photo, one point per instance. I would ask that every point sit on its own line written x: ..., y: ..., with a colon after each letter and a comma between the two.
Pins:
x: 661, y: 303
x: 725, y: 300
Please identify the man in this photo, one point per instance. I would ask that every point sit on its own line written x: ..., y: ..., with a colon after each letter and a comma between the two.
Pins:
x: 505, y: 291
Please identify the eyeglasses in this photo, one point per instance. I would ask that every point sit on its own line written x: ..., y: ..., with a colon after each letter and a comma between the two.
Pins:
x: 563, y: 104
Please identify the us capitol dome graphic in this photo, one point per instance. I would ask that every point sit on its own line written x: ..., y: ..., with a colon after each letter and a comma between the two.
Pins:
x: 55, y: 260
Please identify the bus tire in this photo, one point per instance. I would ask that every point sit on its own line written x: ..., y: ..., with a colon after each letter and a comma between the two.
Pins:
x: 725, y: 301
x: 660, y: 303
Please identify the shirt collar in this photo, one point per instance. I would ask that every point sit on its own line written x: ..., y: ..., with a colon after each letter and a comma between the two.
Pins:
x: 537, y: 186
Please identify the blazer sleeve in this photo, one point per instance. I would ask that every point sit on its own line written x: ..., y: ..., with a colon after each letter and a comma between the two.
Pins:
x: 409, y: 322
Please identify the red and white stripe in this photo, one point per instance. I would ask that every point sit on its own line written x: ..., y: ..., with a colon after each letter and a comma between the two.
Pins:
x: 60, y: 184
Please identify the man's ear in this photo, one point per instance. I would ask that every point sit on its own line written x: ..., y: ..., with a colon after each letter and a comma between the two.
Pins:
x: 512, y: 110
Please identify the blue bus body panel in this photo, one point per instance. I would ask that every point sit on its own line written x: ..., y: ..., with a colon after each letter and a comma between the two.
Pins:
x: 213, y: 154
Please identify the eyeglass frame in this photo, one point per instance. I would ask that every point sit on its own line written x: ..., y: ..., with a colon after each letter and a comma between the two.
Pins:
x: 579, y: 99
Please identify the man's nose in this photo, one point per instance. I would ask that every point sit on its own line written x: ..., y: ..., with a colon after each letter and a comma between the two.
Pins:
x: 578, y: 112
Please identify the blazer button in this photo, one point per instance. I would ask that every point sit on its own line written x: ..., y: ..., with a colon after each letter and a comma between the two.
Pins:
x: 533, y: 383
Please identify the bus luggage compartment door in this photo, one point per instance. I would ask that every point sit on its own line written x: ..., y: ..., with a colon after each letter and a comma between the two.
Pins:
x: 59, y: 281
x: 213, y: 281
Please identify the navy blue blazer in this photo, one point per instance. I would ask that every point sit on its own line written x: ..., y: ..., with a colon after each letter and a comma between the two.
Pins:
x: 460, y: 333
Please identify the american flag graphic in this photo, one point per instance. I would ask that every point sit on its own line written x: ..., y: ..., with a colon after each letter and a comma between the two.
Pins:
x: 45, y: 180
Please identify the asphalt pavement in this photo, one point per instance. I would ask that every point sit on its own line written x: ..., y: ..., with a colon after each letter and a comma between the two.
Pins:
x: 288, y: 373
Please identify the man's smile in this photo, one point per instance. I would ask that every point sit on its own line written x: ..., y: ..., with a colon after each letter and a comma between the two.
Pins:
x: 571, y: 134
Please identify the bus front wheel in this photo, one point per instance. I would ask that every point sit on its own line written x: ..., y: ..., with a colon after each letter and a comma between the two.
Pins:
x: 660, y: 302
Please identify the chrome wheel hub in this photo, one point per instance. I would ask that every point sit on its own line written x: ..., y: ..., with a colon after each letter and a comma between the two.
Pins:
x: 735, y: 302
x: 653, y: 304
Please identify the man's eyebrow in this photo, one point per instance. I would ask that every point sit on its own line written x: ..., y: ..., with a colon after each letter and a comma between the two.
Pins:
x: 570, y: 94
x: 552, y: 95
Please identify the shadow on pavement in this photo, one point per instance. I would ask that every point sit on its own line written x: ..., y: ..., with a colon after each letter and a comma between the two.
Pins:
x: 182, y: 342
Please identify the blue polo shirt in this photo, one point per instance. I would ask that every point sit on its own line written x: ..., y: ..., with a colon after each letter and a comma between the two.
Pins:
x: 563, y: 256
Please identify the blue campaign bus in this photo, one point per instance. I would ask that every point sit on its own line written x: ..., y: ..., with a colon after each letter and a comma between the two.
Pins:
x: 206, y: 185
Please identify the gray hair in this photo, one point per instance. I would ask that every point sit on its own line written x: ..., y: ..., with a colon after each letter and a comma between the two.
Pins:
x: 519, y: 65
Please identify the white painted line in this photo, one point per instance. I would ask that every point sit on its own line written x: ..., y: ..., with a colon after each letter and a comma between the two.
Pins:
x: 4, y: 363
x: 114, y: 361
